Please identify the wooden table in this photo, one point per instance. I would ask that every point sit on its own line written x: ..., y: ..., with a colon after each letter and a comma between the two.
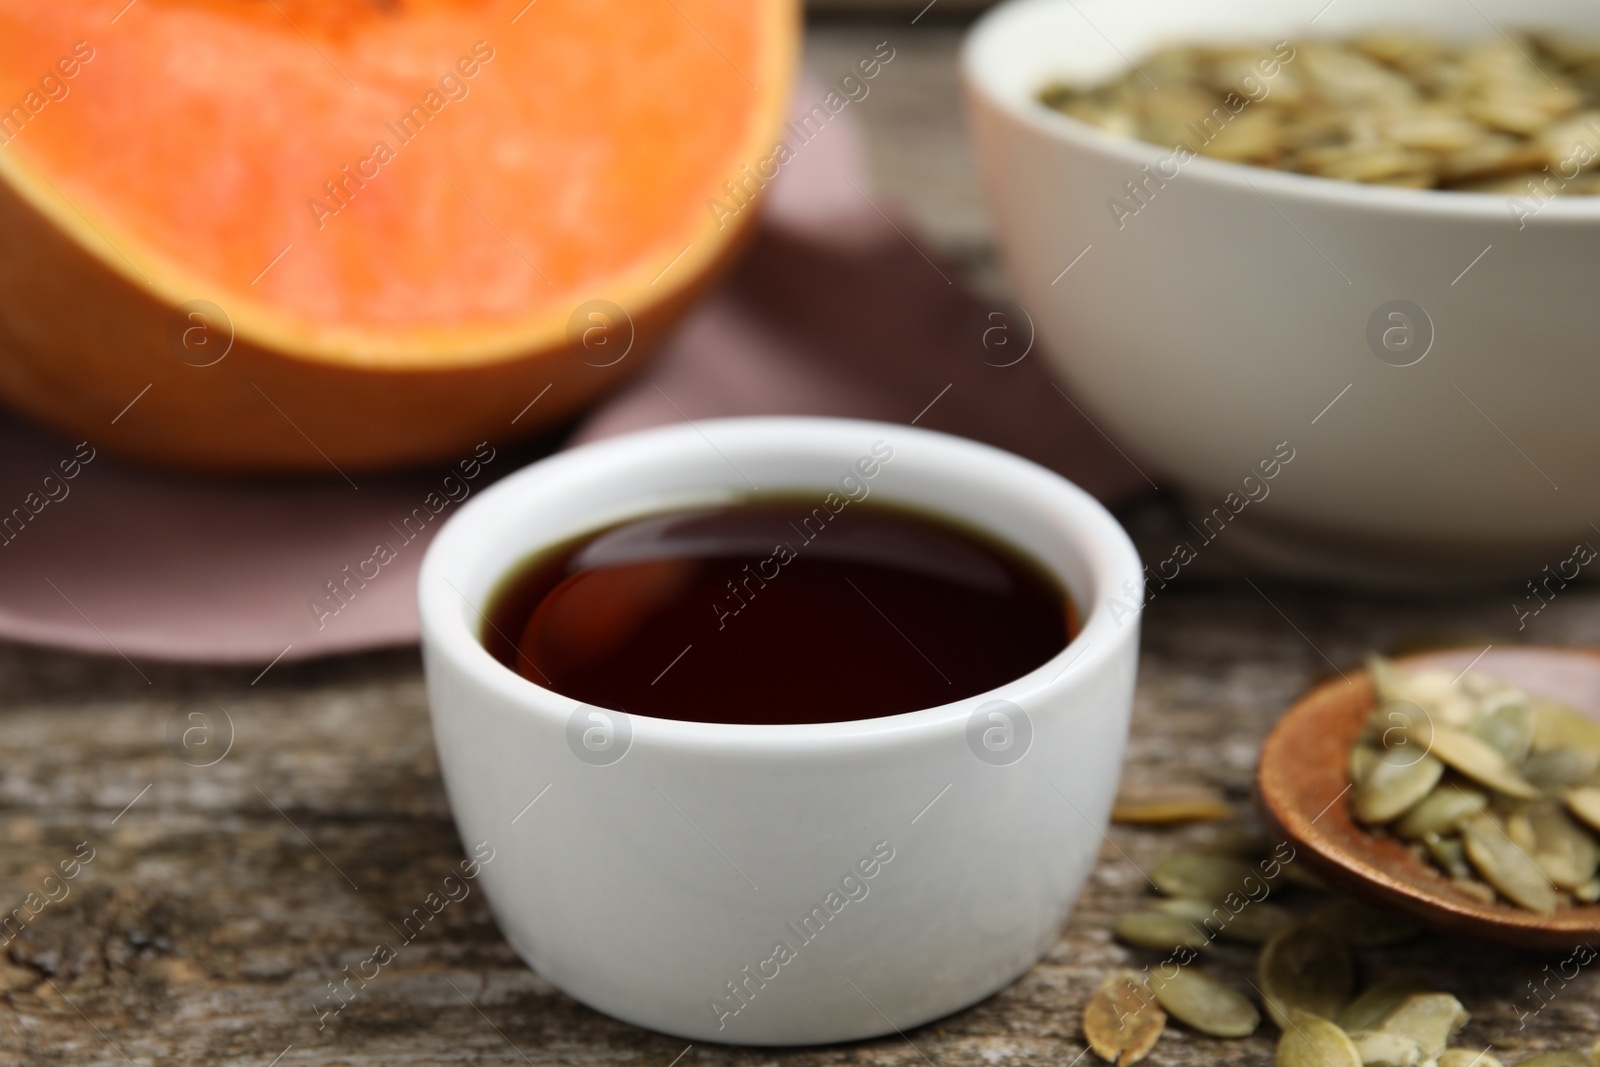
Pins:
x: 221, y: 899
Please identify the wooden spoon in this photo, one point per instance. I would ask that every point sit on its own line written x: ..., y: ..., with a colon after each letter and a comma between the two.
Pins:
x: 1303, y: 786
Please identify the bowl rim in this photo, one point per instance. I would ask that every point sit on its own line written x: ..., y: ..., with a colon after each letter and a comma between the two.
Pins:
x: 1104, y: 550
x: 1016, y: 17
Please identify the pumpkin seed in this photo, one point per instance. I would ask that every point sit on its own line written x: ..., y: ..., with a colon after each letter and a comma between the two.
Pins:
x: 1431, y: 131
x: 1428, y: 694
x: 1474, y: 889
x: 1561, y: 1058
x: 1206, y: 1004
x: 1505, y: 866
x: 1122, y: 1021
x: 1505, y: 159
x: 1392, y: 682
x: 1572, y: 142
x: 1203, y: 876
x: 1560, y: 767
x: 1570, y: 49
x: 1476, y: 759
x: 1190, y: 909
x: 1304, y: 967
x: 1383, y: 1049
x: 1449, y: 855
x: 1558, y: 726
x: 1393, y: 723
x: 1355, y: 164
x: 1584, y: 802
x: 1588, y: 892
x: 1356, y: 924
x: 1252, y: 137
x: 1398, y: 779
x: 1429, y: 1019
x: 1362, y: 757
x: 1465, y: 1057
x: 1371, y: 1008
x: 1156, y: 803
x: 1564, y: 851
x: 1441, y: 810
x: 1256, y: 923
x: 1158, y: 812
x: 1160, y: 931
x: 1508, y: 730
x: 1311, y: 1041
x: 1251, y: 924
x: 1519, y: 831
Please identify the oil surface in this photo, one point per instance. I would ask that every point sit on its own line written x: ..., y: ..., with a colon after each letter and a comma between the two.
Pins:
x: 778, y: 610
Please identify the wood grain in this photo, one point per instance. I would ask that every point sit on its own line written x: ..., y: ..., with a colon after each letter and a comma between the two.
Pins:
x: 217, y: 907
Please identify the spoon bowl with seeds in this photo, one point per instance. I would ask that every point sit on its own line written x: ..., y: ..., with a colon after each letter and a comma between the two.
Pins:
x: 1459, y: 787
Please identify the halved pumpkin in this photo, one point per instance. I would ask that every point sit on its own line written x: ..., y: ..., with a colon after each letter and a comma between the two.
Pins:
x: 295, y: 234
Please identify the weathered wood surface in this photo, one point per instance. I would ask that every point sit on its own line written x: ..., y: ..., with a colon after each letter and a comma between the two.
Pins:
x: 220, y: 900
x: 219, y: 904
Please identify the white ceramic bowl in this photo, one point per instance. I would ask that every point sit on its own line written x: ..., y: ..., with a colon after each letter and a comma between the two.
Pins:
x: 650, y: 867
x: 1233, y: 306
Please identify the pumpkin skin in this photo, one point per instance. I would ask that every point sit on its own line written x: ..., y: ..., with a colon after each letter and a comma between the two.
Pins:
x: 267, y: 238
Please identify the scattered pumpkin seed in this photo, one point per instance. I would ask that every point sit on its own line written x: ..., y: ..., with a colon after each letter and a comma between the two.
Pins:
x: 1371, y: 1008
x: 1399, y: 778
x: 1561, y: 1058
x: 1466, y: 1057
x: 1206, y: 1004
x: 1122, y: 1021
x: 1505, y: 866
x: 1304, y: 967
x: 1160, y: 931
x: 1357, y: 924
x: 1429, y: 1019
x: 1158, y: 812
x: 1311, y: 1041
x: 1148, y: 804
x: 1251, y: 924
x: 1203, y: 876
x: 1383, y: 1049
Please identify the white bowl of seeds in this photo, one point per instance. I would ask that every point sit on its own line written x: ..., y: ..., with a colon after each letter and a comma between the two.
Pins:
x: 1358, y: 236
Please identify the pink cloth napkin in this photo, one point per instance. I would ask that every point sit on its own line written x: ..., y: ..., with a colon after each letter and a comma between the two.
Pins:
x: 835, y: 310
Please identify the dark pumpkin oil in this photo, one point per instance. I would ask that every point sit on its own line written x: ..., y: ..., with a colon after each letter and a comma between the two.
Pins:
x: 778, y: 610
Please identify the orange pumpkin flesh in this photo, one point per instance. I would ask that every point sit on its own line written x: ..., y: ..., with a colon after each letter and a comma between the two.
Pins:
x: 400, y: 210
